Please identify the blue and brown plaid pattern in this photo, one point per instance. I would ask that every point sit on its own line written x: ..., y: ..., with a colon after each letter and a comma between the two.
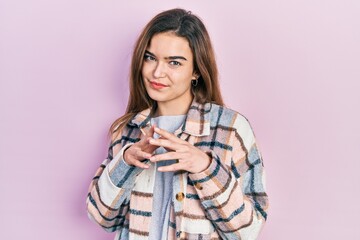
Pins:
x: 226, y: 201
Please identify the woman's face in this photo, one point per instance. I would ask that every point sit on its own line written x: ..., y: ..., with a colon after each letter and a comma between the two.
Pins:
x: 168, y: 69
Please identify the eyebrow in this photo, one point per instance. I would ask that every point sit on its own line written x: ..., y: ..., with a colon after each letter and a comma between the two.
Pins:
x: 170, y: 57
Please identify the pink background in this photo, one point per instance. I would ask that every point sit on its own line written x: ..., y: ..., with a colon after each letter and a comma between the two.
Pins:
x: 291, y: 67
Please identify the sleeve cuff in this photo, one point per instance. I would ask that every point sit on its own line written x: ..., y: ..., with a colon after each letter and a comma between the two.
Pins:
x: 121, y: 174
x: 209, y: 172
x: 213, y: 180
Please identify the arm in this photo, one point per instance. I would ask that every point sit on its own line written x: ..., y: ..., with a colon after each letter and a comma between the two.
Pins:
x: 234, y: 196
x: 109, y: 192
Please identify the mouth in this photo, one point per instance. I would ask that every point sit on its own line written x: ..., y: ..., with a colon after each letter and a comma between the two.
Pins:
x: 157, y: 85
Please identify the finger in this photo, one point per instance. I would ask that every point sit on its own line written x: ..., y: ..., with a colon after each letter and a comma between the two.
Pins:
x: 166, y: 156
x: 152, y: 130
x: 141, y: 155
x: 148, y: 131
x: 145, y: 133
x: 135, y: 162
x: 139, y: 164
x: 150, y: 148
x: 171, y: 168
x: 167, y: 149
x: 147, y: 147
x: 168, y: 135
x: 165, y: 143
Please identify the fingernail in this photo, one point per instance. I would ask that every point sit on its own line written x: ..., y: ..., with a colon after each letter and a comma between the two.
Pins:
x: 152, y: 158
x: 157, y: 129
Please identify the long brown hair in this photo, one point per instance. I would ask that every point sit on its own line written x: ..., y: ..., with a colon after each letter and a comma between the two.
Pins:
x: 183, y: 24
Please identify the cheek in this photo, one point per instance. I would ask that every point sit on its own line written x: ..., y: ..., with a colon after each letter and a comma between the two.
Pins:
x: 182, y: 85
x: 181, y: 77
x: 147, y: 69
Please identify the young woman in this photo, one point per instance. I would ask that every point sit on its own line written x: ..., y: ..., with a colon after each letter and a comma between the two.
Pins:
x: 181, y: 165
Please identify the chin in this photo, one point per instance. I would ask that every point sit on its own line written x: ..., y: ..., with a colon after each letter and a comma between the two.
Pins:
x: 156, y: 96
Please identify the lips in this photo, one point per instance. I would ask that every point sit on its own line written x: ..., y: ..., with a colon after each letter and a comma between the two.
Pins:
x: 157, y: 84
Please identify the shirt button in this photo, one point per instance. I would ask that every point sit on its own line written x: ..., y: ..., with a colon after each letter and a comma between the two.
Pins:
x: 198, y: 186
x: 180, y: 196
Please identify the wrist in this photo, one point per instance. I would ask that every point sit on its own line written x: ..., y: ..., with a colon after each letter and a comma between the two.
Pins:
x: 207, y: 161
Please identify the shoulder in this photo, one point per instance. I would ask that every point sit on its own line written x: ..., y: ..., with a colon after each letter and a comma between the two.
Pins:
x: 230, y: 120
x: 224, y: 115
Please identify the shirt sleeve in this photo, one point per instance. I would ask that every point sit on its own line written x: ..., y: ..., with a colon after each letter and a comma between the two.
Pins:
x: 234, y: 197
x: 109, y: 192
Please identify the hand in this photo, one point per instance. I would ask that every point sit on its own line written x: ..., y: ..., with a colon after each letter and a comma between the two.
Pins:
x: 190, y: 158
x: 140, y: 150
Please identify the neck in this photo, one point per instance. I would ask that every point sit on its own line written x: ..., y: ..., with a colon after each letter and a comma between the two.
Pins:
x: 173, y: 107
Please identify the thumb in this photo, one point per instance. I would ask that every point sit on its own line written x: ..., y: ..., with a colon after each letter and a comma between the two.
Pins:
x: 150, y: 134
x: 151, y: 131
x: 146, y: 133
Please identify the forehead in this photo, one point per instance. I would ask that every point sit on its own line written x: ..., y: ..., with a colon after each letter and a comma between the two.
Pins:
x: 168, y: 44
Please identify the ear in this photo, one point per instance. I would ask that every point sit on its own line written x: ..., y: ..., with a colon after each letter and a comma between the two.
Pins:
x: 195, y: 76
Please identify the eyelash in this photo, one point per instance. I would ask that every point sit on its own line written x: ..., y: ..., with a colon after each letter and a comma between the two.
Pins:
x: 151, y: 58
x: 176, y: 63
x: 148, y: 57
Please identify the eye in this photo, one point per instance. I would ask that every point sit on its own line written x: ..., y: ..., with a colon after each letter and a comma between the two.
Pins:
x: 175, y: 63
x: 148, y: 57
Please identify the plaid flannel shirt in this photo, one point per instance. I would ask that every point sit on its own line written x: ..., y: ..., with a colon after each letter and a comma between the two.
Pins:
x: 225, y: 201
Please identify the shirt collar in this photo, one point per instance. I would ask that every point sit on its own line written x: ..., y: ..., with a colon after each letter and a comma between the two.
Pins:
x: 197, y: 121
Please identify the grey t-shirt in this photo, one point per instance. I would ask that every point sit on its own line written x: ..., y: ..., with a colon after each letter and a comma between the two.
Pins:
x: 163, y: 181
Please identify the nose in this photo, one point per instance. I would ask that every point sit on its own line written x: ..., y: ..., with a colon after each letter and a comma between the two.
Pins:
x: 159, y: 71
